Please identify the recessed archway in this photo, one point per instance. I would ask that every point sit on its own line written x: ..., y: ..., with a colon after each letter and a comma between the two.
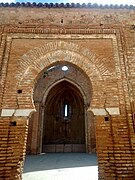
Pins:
x: 64, y: 119
x: 50, y: 92
x: 35, y: 61
x: 39, y: 60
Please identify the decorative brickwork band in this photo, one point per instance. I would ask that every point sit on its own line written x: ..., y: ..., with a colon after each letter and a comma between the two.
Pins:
x: 66, y: 5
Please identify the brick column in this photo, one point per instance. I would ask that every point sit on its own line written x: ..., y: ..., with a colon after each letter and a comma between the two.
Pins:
x: 13, y: 132
x: 91, y: 139
x: 104, y: 145
x: 113, y: 148
x: 35, y: 137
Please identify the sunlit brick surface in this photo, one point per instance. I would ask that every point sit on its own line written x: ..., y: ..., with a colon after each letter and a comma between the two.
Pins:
x: 99, y: 43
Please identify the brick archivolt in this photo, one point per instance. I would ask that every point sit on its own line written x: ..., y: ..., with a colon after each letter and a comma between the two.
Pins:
x: 32, y: 63
x: 66, y: 51
x: 36, y: 60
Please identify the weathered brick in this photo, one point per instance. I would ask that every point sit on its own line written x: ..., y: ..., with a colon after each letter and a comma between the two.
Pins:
x: 102, y: 65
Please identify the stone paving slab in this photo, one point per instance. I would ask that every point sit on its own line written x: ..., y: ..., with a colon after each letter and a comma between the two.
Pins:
x: 61, y: 166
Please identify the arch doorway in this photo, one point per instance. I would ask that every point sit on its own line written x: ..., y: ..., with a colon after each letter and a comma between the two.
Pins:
x: 64, y: 119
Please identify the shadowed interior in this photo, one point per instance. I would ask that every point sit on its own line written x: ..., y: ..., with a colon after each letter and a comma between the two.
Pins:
x: 64, y: 127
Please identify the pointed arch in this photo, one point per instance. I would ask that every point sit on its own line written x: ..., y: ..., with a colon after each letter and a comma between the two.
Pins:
x: 35, y: 61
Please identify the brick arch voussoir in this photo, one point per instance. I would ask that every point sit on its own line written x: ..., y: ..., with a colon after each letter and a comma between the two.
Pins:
x: 27, y: 82
x: 27, y: 59
x: 60, y: 56
x: 35, y: 61
x: 34, y: 55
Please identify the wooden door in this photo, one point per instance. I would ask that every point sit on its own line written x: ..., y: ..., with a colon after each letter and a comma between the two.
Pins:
x: 64, y: 127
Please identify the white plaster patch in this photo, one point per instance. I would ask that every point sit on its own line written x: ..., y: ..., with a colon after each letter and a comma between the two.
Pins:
x: 23, y: 112
x: 113, y: 111
x: 16, y: 112
x: 7, y: 112
x: 102, y: 111
x: 99, y: 112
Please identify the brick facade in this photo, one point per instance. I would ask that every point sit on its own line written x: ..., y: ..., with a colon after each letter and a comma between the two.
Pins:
x: 100, y: 45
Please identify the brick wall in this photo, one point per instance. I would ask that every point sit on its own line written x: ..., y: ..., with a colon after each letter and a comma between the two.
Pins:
x: 13, y: 135
x: 100, y: 42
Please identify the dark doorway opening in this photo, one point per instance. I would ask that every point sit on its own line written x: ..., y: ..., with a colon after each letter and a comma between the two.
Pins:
x: 64, y: 120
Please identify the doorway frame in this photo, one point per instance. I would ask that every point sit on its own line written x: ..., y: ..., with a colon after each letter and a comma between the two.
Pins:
x: 86, y: 106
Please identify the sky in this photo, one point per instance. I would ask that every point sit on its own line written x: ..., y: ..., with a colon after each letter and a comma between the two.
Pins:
x: 103, y: 2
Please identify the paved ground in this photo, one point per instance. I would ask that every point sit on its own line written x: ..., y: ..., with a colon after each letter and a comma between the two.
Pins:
x: 61, y: 166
